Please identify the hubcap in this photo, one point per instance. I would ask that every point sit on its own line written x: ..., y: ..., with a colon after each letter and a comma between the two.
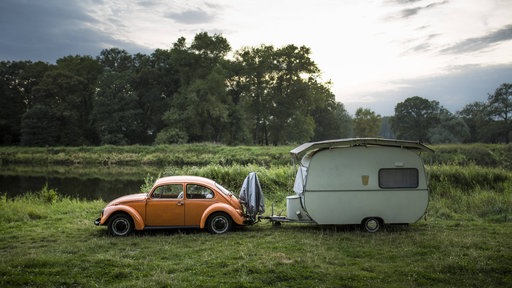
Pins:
x: 121, y: 226
x: 219, y: 224
x: 372, y: 224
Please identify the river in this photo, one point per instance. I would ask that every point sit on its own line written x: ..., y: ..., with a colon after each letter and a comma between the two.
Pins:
x: 79, y: 182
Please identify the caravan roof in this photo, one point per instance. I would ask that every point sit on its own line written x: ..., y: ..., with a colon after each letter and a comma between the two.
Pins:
x: 312, y: 146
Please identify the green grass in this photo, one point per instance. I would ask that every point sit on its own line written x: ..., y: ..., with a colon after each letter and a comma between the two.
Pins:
x: 200, y: 154
x: 50, y: 241
x: 161, y: 155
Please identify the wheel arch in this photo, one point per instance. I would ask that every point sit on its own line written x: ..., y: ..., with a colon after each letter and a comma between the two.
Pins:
x: 221, y: 207
x: 114, y: 210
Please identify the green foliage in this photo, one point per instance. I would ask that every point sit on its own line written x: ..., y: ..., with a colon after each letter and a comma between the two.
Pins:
x: 40, y: 127
x: 486, y: 155
x: 196, y: 93
x: 470, y: 192
x: 199, y: 154
x: 171, y: 136
x: 48, y: 195
x: 148, y: 183
x: 366, y: 123
x: 469, y: 178
x: 500, y: 108
x: 17, y: 79
x: 276, y: 181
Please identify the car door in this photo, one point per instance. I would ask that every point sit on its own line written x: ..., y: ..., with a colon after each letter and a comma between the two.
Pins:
x: 165, y: 206
x: 198, y: 198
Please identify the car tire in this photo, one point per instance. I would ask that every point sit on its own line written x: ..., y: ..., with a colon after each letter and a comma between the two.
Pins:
x: 219, y: 223
x: 120, y: 225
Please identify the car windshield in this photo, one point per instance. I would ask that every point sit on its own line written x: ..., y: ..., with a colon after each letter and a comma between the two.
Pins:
x: 223, y: 190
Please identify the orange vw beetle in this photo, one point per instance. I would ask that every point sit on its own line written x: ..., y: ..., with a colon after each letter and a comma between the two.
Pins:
x: 175, y: 202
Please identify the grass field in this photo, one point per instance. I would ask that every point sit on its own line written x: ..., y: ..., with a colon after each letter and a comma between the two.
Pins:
x: 50, y: 241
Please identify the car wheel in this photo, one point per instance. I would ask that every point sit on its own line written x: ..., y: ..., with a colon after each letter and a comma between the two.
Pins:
x: 219, y: 223
x: 120, y: 225
x: 372, y: 224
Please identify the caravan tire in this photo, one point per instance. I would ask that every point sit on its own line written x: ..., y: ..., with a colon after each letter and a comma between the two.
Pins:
x: 372, y: 224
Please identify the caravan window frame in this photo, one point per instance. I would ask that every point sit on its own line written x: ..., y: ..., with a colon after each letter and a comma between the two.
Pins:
x: 394, y: 179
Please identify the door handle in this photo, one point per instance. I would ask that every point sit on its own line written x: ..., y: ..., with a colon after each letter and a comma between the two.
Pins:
x: 180, y: 203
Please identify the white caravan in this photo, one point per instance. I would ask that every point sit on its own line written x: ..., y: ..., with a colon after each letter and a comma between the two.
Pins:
x: 366, y: 181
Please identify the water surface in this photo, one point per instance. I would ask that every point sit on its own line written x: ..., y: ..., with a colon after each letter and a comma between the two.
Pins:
x: 80, y: 182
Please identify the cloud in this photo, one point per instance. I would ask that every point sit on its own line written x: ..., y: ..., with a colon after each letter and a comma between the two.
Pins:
x: 48, y: 30
x: 408, y: 12
x: 191, y: 16
x: 479, y: 43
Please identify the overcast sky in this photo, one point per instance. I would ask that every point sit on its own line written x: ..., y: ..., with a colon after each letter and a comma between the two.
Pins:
x: 376, y: 53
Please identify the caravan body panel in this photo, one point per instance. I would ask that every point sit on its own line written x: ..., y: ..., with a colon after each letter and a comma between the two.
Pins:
x: 344, y: 185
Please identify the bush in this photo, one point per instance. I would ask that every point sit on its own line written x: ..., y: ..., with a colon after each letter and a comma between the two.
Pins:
x: 48, y: 195
x: 276, y: 181
x: 486, y: 155
x: 471, y: 192
x: 467, y: 178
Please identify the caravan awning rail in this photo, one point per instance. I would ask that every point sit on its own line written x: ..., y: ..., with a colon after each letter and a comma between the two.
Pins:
x: 338, y: 143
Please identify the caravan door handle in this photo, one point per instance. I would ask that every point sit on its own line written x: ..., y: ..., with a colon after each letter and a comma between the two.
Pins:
x: 180, y: 203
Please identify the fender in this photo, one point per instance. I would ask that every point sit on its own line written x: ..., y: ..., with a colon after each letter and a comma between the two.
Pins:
x: 137, y: 219
x: 236, y: 215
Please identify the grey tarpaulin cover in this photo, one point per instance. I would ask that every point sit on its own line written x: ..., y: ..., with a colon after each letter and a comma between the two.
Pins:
x: 251, y: 196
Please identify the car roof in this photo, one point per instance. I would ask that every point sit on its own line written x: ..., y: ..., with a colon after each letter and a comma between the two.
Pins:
x: 185, y: 179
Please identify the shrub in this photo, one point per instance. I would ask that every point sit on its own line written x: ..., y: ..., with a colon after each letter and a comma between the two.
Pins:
x: 48, y: 195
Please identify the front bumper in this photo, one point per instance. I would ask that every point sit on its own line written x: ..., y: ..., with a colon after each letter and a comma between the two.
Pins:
x: 97, y: 222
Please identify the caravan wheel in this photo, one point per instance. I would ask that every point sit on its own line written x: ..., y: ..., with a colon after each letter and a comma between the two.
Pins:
x: 372, y: 224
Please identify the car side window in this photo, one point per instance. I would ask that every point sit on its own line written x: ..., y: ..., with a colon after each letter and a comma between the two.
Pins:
x: 195, y: 191
x: 170, y: 191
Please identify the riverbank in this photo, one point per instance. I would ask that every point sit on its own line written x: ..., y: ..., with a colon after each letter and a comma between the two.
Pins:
x: 201, y: 154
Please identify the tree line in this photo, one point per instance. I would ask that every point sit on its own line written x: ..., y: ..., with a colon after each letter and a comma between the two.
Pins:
x: 204, y: 92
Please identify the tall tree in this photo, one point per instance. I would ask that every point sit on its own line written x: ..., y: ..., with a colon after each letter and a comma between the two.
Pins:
x: 366, y: 123
x: 293, y: 95
x: 414, y: 117
x: 481, y: 127
x: 90, y: 70
x: 281, y: 92
x: 115, y: 60
x: 451, y: 129
x: 153, y: 83
x: 199, y: 109
x: 40, y: 126
x: 69, y: 99
x: 116, y: 114
x: 500, y: 109
x: 255, y: 82
x: 332, y: 121
x: 17, y: 79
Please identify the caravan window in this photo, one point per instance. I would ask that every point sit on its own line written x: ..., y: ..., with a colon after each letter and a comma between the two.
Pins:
x: 398, y: 178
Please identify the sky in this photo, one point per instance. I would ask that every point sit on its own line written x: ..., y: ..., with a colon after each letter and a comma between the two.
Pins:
x: 376, y: 54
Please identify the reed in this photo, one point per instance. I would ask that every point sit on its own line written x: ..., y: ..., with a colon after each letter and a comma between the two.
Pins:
x: 200, y: 154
